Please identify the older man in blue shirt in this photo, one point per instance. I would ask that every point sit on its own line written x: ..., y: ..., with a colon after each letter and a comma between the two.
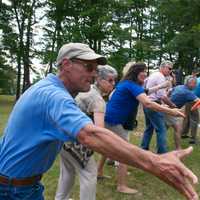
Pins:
x: 180, y: 95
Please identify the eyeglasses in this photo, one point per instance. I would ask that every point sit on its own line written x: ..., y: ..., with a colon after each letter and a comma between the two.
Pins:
x: 88, y: 66
x: 170, y: 68
x: 109, y: 81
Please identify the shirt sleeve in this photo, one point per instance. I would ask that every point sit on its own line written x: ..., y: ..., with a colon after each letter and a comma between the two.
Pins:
x: 67, y: 118
x: 97, y: 105
x: 136, y: 89
x: 191, y: 96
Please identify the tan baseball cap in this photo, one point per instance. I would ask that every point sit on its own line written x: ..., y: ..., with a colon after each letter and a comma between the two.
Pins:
x: 80, y: 51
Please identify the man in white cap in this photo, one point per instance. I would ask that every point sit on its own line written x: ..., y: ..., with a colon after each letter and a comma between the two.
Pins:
x: 76, y: 158
x: 46, y: 116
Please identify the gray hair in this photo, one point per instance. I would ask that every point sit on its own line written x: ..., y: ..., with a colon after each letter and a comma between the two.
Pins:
x: 188, y: 79
x: 166, y: 62
x: 105, y: 70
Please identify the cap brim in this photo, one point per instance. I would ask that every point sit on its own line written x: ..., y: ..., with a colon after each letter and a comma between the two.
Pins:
x: 92, y: 56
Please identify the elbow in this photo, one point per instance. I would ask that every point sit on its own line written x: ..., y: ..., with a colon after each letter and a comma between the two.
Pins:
x: 148, y: 104
x: 87, y: 137
x: 84, y: 139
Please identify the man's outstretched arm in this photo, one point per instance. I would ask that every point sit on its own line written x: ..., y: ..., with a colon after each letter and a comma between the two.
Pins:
x: 168, y: 167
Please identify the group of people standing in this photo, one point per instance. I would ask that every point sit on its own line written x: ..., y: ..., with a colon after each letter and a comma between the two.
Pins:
x: 55, y: 116
x: 175, y: 96
x: 119, y: 115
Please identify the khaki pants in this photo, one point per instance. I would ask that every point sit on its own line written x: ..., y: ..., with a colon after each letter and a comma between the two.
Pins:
x: 69, y: 167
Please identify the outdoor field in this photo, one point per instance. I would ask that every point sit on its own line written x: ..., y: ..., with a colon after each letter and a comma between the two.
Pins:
x: 150, y: 188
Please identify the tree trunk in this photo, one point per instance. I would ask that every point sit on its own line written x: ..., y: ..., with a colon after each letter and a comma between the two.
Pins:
x: 26, y: 59
x: 18, y: 88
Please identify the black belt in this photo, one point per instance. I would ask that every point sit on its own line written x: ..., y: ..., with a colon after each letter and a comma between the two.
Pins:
x: 20, y: 182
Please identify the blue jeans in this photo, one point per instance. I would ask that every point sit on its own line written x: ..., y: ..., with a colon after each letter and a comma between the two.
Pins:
x: 154, y: 120
x: 31, y: 192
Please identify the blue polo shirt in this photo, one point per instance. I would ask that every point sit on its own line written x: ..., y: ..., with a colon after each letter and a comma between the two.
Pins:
x: 181, y: 95
x: 43, y: 118
x: 123, y: 103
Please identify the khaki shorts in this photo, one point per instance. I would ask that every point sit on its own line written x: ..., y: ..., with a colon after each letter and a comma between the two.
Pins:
x: 119, y: 130
x: 171, y: 120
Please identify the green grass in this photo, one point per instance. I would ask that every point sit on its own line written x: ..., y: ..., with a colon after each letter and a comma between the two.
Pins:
x: 150, y: 187
x: 6, y: 104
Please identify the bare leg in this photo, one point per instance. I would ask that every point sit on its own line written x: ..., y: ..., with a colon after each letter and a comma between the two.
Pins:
x: 121, y: 180
x: 177, y: 135
x: 101, y: 165
x: 186, y: 121
x: 194, y: 120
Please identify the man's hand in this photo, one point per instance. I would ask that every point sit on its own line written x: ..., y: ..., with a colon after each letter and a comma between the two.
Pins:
x: 177, y: 112
x: 169, y: 168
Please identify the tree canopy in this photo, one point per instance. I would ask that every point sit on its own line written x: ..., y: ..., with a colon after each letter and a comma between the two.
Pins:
x: 137, y: 30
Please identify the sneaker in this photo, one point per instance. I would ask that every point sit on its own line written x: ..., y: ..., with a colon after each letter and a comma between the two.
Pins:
x: 184, y: 136
x: 192, y: 142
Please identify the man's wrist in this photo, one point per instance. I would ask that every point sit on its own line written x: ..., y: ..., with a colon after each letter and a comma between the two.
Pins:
x: 149, y: 164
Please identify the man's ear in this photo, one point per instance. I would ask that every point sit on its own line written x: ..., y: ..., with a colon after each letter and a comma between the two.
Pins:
x: 66, y: 63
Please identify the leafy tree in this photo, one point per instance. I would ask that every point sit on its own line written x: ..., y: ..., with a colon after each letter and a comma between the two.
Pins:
x: 7, y: 77
x: 7, y: 51
x: 185, y: 26
x: 17, y: 26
